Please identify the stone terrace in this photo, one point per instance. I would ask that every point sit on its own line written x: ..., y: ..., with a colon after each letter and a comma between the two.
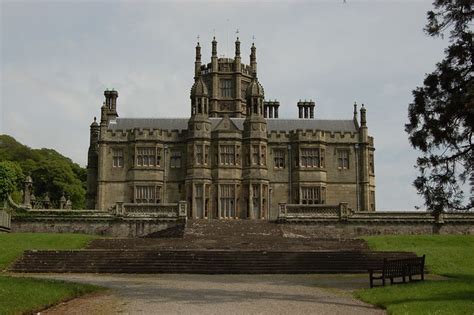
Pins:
x: 231, y: 234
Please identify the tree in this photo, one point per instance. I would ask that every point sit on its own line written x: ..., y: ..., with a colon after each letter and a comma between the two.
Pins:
x: 11, y: 178
x: 441, y: 116
x: 51, y: 172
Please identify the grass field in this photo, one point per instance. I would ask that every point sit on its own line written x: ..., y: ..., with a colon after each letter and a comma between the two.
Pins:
x: 447, y: 255
x: 19, y: 295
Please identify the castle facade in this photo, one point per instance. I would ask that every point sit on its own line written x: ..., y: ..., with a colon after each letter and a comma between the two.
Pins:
x: 234, y: 157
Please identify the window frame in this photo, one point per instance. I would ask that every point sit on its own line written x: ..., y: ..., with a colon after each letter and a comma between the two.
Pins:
x: 117, y: 159
x: 343, y: 162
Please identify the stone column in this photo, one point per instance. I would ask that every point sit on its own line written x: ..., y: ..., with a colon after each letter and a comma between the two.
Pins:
x: 193, y: 201
x: 203, y: 201
x: 219, y: 214
x: 251, y: 214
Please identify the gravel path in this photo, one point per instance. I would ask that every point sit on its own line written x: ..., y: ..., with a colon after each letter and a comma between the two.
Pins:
x: 217, y: 294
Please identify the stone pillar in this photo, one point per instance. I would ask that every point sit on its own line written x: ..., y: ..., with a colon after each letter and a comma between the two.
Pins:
x: 219, y: 214
x: 193, y: 201
x: 251, y: 214
x: 276, y: 111
x: 62, y: 202
x: 27, y: 192
x: 311, y: 112
x: 182, y: 211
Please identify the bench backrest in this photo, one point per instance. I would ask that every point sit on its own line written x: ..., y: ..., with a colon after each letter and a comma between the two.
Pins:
x: 403, y: 267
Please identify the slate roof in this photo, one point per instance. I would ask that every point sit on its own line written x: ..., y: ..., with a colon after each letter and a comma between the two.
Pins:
x: 277, y: 124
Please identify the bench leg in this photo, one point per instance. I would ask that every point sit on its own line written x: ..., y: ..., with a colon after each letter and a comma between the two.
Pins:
x: 383, y: 281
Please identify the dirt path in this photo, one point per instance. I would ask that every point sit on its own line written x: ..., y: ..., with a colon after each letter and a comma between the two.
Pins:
x: 217, y: 294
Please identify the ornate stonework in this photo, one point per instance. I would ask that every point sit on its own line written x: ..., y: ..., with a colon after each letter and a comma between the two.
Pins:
x: 234, y: 157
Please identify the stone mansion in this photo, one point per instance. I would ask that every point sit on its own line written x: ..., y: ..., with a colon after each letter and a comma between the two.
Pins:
x: 234, y: 157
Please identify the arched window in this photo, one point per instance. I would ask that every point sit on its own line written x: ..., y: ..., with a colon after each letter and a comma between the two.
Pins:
x: 199, y: 106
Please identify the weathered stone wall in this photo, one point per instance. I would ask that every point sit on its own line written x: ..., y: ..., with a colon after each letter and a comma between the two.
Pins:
x: 355, y: 229
x: 106, y: 227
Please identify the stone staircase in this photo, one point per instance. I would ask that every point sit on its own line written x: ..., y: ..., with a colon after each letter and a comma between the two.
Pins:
x: 201, y: 261
x: 213, y: 247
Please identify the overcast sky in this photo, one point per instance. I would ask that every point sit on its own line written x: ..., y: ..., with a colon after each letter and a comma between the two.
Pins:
x: 57, y: 58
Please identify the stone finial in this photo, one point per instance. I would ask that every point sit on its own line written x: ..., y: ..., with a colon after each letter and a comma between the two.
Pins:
x: 198, y: 52
x: 47, y: 201
x: 363, y: 118
x: 62, y: 201
x: 214, y: 47
x: 68, y: 204
x: 237, y: 47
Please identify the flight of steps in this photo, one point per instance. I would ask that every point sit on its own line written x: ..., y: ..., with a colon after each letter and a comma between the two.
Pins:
x: 201, y: 261
x: 212, y: 247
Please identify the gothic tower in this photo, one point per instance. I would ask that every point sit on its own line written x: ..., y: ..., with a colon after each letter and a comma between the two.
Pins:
x: 255, y: 144
x: 92, y: 161
x: 198, y: 171
x: 227, y: 80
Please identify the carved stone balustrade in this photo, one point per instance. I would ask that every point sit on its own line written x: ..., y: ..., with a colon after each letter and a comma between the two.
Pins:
x: 313, y: 212
x: 152, y: 210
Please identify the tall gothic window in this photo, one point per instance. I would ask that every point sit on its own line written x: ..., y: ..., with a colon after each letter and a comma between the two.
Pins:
x: 256, y: 197
x: 371, y: 163
x: 147, y: 156
x: 313, y: 195
x: 227, y: 200
x: 226, y: 88
x: 147, y: 194
x: 199, y: 200
x: 175, y: 159
x: 343, y: 159
x: 199, y: 155
x: 255, y: 154
x: 279, y: 158
x: 206, y: 154
x: 372, y: 200
x: 117, y: 157
x: 227, y: 154
x: 312, y: 157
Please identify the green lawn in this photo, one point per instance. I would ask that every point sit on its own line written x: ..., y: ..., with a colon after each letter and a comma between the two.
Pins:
x: 19, y: 295
x: 447, y: 255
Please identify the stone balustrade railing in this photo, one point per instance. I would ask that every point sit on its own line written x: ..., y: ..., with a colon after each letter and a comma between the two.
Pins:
x: 297, y: 211
x: 152, y: 210
x: 341, y: 212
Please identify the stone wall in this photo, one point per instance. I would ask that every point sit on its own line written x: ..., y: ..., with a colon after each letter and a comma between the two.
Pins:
x: 358, y: 229
x: 339, y: 221
x: 115, y: 227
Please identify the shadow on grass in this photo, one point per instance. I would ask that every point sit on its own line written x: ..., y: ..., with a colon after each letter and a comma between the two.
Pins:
x: 460, y: 289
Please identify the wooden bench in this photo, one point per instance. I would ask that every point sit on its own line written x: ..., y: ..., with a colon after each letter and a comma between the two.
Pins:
x: 399, y: 268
